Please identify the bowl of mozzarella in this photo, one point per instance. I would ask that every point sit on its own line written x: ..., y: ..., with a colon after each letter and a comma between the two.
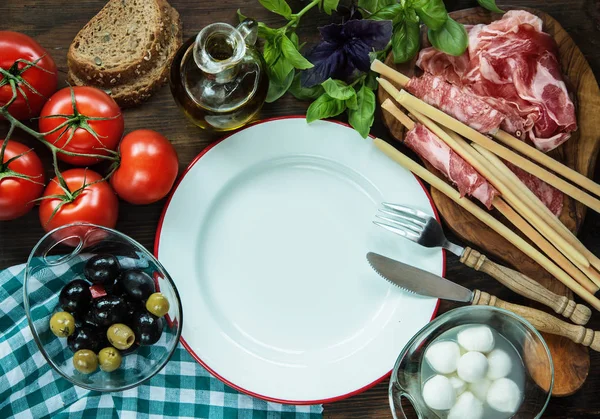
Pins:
x: 473, y: 362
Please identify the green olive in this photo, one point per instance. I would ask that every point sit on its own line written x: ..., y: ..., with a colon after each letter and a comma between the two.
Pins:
x: 85, y: 361
x: 62, y: 324
x: 157, y: 304
x: 110, y: 359
x: 120, y: 336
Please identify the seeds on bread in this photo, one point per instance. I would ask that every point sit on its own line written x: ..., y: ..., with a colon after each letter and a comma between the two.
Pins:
x: 137, y: 81
x: 120, y: 39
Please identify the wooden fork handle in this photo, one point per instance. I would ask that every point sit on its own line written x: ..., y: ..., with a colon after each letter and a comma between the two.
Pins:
x: 542, y: 321
x: 527, y: 287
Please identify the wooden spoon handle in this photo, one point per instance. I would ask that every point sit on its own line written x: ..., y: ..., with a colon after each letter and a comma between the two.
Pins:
x: 542, y: 321
x: 527, y: 287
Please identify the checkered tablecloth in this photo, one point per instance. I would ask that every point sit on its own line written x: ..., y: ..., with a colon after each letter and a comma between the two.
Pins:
x: 30, y: 388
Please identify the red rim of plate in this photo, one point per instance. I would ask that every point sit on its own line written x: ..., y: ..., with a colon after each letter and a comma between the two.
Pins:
x: 190, y: 350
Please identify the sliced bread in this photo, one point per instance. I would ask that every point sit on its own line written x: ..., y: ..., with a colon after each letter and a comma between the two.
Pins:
x: 121, y: 40
x: 141, y: 86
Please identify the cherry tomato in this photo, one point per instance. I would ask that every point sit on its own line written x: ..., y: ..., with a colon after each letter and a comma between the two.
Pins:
x: 83, y: 135
x: 37, y: 81
x: 96, y: 203
x: 148, y: 167
x: 17, y: 193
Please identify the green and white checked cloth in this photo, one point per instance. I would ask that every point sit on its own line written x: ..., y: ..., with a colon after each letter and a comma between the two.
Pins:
x: 30, y: 388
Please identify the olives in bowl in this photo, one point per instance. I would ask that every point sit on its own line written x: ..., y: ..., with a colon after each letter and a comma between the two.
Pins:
x: 74, y: 296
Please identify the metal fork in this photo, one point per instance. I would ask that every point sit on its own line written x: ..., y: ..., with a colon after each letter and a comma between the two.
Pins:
x: 421, y: 228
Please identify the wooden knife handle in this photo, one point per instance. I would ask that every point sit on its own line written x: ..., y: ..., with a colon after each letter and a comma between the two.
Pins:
x: 527, y: 287
x: 542, y: 321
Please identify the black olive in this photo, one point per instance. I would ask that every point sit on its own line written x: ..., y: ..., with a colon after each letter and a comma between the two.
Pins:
x: 137, y: 284
x: 87, y: 337
x: 102, y: 269
x: 75, y: 297
x: 109, y: 309
x: 147, y: 327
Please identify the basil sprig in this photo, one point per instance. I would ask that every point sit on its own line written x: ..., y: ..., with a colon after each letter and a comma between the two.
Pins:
x: 445, y: 34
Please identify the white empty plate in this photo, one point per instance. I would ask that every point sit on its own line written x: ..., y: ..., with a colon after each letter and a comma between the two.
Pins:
x: 266, y: 238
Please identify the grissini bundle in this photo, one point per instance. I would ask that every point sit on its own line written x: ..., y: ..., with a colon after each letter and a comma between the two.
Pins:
x: 507, y: 139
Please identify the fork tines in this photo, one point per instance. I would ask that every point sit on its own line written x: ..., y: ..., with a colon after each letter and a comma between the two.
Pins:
x: 406, y: 222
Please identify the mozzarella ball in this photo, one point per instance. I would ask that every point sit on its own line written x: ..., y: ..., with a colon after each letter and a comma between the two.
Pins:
x: 459, y: 385
x: 480, y: 388
x: 472, y: 367
x: 443, y: 356
x: 499, y: 364
x: 476, y: 338
x: 438, y: 393
x: 467, y: 407
x: 504, y: 396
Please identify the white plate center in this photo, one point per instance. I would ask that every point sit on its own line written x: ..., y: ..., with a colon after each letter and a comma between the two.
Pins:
x: 279, y: 262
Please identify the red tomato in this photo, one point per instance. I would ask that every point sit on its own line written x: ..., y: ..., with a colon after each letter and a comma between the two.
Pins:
x: 90, y: 102
x: 148, y: 167
x: 96, y: 204
x: 17, y: 194
x: 42, y: 77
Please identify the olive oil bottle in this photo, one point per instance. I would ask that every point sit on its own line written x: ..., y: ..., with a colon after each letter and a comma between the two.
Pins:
x: 218, y: 78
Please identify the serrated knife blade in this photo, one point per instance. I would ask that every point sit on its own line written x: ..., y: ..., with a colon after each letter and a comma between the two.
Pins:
x: 417, y: 280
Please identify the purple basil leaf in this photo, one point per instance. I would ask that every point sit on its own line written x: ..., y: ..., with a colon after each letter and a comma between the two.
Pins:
x: 345, y: 50
x: 327, y: 60
x: 358, y: 53
x: 375, y: 33
x: 333, y: 33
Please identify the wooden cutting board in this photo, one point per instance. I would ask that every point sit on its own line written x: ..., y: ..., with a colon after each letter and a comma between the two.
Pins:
x: 571, y: 361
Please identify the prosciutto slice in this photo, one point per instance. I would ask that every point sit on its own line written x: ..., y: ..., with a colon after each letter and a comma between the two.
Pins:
x: 455, y: 101
x: 469, y: 182
x: 550, y: 196
x: 512, y: 66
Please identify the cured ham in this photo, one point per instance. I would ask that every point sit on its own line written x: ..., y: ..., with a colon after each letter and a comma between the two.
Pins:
x: 457, y: 102
x: 550, y: 196
x: 469, y: 182
x: 512, y: 65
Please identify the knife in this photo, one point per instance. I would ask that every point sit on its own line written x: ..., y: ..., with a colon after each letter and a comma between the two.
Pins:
x: 425, y: 283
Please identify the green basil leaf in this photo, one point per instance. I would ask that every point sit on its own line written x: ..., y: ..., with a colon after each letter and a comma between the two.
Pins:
x: 324, y: 107
x: 337, y: 89
x: 295, y: 40
x: 293, y: 55
x: 281, y: 69
x: 267, y: 33
x: 490, y: 5
x: 277, y: 6
x: 305, y: 93
x: 451, y: 38
x: 363, y: 116
x: 387, y: 13
x: 352, y: 103
x: 374, y: 5
x: 371, y: 81
x: 330, y: 5
x: 432, y: 12
x: 271, y: 53
x: 277, y: 88
x: 405, y: 40
x: 241, y: 17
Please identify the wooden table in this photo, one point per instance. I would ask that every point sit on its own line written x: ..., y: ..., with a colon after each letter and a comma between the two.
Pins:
x: 54, y: 23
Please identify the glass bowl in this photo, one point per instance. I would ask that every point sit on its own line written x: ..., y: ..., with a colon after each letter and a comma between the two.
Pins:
x: 58, y: 258
x: 406, y: 381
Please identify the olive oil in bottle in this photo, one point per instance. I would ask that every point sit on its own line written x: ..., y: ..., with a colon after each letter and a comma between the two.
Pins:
x: 218, y: 78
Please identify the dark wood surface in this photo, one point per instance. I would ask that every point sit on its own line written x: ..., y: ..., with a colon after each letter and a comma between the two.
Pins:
x: 571, y: 361
x: 54, y: 23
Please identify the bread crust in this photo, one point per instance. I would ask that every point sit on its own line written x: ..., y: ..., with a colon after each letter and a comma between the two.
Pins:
x: 90, y: 71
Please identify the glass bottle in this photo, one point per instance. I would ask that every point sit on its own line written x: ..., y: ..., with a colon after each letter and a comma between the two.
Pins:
x: 218, y: 78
